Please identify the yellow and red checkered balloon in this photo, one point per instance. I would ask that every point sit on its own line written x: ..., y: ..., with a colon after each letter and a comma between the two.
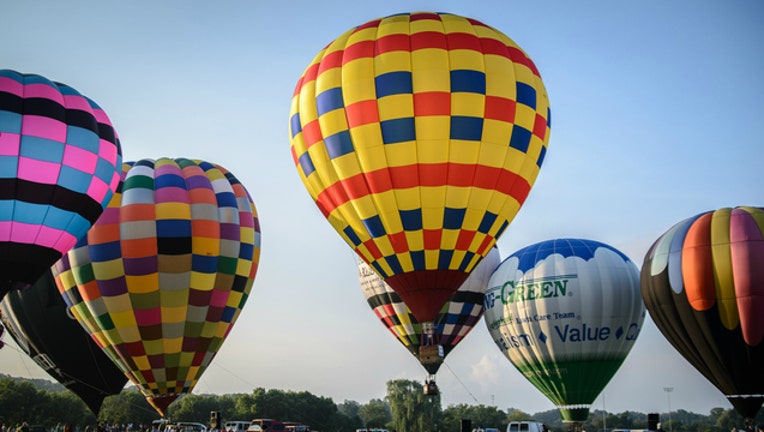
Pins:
x: 162, y: 276
x: 419, y: 136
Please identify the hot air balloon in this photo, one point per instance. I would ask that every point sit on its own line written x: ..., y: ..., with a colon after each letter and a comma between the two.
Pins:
x: 419, y: 136
x: 457, y: 318
x: 703, y: 284
x: 161, y: 278
x: 38, y: 321
x: 59, y: 167
x: 566, y: 313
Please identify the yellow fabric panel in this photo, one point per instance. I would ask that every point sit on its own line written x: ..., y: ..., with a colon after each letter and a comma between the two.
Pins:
x: 428, y: 73
x: 129, y: 333
x: 432, y: 216
x: 433, y: 197
x: 329, y: 79
x: 500, y: 77
x: 434, y: 149
x: 458, y: 197
x: 308, y: 107
x: 202, y: 281
x: 525, y: 116
x: 405, y: 261
x: 358, y: 81
x: 474, y: 214
x: 415, y: 240
x: 221, y: 330
x: 364, y: 207
x: 464, y: 152
x: 391, y: 220
x: 384, y: 246
x: 493, y: 152
x: 396, y: 106
x: 333, y: 122
x: 467, y: 104
x: 525, y: 75
x: 401, y: 154
x: 373, y: 155
x: 722, y: 259
x: 393, y: 61
x: 142, y: 284
x: 234, y: 298
x: 448, y: 240
x: 408, y: 199
x: 393, y: 25
x: 514, y: 159
x: 172, y: 210
x: 431, y: 258
x: 206, y: 246
x: 172, y: 314
x: 142, y: 363
x: 462, y: 59
x: 433, y: 128
x: 347, y: 165
x: 118, y: 304
x: 172, y: 345
x: 456, y: 24
x: 107, y: 270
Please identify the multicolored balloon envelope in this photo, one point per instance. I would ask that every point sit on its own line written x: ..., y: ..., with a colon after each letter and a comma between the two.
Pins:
x: 566, y: 313
x: 59, y: 167
x: 457, y: 318
x: 38, y: 321
x: 419, y: 136
x: 163, y: 275
x: 703, y: 284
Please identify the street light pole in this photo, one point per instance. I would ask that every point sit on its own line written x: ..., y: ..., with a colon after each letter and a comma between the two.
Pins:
x: 668, y: 391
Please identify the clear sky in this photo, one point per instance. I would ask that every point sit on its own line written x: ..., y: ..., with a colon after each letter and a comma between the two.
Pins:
x: 656, y: 116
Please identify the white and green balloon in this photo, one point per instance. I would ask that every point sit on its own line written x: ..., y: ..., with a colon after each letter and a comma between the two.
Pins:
x: 566, y: 313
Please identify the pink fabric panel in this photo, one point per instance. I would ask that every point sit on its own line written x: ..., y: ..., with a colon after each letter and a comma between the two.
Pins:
x: 43, y: 91
x: 747, y: 249
x: 9, y: 144
x: 80, y: 159
x: 44, y: 127
x: 38, y: 171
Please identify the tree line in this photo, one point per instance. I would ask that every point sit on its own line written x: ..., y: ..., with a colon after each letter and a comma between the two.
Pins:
x: 404, y: 409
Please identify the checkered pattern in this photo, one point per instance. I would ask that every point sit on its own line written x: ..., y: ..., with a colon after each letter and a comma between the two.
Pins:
x: 164, y: 273
x: 455, y: 320
x: 59, y: 167
x: 419, y: 137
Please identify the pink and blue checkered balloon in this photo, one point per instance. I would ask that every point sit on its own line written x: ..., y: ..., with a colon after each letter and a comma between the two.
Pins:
x: 60, y: 162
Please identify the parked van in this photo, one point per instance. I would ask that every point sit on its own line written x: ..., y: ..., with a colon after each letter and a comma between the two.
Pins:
x: 527, y: 426
x: 236, y: 426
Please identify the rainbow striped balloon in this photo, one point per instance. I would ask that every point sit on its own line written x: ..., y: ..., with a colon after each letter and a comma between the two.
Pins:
x: 419, y: 136
x: 59, y: 167
x: 161, y: 278
x: 703, y: 284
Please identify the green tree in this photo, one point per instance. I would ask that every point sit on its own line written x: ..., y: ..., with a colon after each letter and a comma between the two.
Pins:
x: 375, y: 414
x: 411, y: 409
x: 479, y: 416
x: 129, y: 406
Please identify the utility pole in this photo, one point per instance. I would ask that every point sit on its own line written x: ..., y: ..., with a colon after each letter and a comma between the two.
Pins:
x: 668, y: 391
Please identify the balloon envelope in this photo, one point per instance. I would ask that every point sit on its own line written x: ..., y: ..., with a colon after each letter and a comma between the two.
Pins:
x: 454, y: 321
x: 566, y: 312
x: 38, y: 321
x: 703, y: 284
x: 419, y: 136
x: 163, y: 275
x: 59, y: 167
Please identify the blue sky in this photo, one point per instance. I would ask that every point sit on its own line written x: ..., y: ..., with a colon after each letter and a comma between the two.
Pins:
x: 656, y: 116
